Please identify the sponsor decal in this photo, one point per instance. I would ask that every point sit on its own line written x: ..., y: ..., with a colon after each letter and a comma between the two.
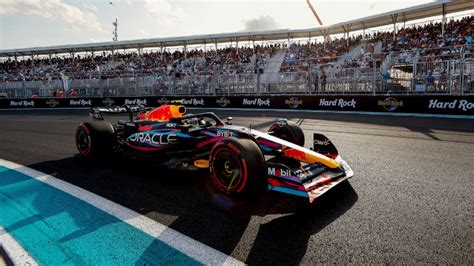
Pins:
x: 163, y: 101
x: 135, y: 102
x: 256, y: 102
x: 193, y: 101
x: 108, y: 102
x: 341, y: 103
x: 154, y: 138
x: 224, y: 133
x: 22, y: 103
x: 223, y: 101
x: 322, y: 143
x: 201, y: 163
x: 145, y: 127
x: 279, y: 172
x: 464, y: 105
x: 293, y: 102
x: 52, y: 102
x: 390, y: 104
x: 302, y: 174
x: 81, y: 102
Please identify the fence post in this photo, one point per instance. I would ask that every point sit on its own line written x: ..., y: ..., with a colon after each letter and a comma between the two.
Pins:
x: 310, y: 79
x: 461, y: 80
x: 449, y: 77
x: 135, y: 78
x: 374, y: 81
x: 415, y: 70
x: 258, y: 81
x: 173, y: 83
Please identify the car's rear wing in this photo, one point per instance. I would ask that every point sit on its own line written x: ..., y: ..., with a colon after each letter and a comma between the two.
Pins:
x: 96, y: 112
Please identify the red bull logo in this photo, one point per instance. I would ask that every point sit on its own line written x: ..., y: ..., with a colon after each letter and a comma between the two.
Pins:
x: 164, y: 113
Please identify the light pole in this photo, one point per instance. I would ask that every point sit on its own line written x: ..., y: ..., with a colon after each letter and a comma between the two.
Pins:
x: 115, y: 33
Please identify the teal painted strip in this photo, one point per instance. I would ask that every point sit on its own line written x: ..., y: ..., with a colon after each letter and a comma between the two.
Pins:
x: 342, y: 112
x: 289, y: 191
x: 57, y: 228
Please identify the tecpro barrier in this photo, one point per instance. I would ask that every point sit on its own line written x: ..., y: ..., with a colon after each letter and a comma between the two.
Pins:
x: 455, y: 105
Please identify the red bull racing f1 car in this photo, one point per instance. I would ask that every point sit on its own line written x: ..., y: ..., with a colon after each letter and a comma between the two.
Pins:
x: 241, y: 161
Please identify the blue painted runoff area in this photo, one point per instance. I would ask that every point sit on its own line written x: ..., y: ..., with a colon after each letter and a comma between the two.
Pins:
x: 57, y: 228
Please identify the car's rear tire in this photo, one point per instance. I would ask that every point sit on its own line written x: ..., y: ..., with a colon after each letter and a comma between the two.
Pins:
x: 237, y: 168
x: 95, y: 139
x: 290, y: 132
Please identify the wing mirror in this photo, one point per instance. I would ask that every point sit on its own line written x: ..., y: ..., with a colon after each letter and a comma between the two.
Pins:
x: 228, y: 120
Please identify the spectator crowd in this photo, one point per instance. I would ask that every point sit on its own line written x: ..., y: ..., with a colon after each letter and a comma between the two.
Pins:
x: 427, y: 43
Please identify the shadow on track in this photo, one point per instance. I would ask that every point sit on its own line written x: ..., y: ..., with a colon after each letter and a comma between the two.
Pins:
x: 284, y: 240
x: 154, y: 191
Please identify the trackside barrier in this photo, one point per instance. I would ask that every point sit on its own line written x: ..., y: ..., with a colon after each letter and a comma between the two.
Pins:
x: 443, y: 104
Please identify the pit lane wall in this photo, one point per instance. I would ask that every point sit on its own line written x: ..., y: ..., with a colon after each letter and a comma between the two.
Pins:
x: 426, y: 104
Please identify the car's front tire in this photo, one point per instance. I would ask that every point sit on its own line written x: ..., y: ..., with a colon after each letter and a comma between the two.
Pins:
x: 237, y: 168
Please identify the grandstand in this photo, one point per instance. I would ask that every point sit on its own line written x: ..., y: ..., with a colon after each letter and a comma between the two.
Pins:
x: 434, y: 54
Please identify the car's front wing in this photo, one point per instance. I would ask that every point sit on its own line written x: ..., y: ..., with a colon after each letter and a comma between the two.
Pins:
x: 310, y: 181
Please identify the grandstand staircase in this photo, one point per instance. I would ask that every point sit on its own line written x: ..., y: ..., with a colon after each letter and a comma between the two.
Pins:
x: 272, y: 69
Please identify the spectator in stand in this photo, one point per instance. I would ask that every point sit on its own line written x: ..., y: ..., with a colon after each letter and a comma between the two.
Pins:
x: 323, y: 81
x: 442, y: 82
x: 316, y: 82
x: 430, y: 81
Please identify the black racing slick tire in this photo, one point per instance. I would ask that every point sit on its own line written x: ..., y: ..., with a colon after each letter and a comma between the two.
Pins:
x: 238, y: 168
x: 290, y: 132
x: 95, y: 139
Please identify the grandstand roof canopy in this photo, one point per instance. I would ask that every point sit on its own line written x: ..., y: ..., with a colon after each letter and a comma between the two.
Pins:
x: 383, y: 19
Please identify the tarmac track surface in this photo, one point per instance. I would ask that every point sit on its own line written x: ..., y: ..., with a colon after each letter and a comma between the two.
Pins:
x: 411, y: 199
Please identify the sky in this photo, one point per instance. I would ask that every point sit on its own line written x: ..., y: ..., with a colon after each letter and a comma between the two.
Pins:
x: 36, y: 23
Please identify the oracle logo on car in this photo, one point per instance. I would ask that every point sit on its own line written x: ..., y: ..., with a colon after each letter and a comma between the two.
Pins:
x: 153, y: 138
x: 279, y: 172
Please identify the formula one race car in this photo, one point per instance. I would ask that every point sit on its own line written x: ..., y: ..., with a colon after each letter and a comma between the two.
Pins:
x: 242, y: 162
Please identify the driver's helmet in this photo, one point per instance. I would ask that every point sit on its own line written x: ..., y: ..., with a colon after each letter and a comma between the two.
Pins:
x: 195, y: 122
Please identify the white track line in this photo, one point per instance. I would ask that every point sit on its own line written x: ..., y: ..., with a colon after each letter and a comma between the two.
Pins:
x: 175, y: 239
x: 14, y: 252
